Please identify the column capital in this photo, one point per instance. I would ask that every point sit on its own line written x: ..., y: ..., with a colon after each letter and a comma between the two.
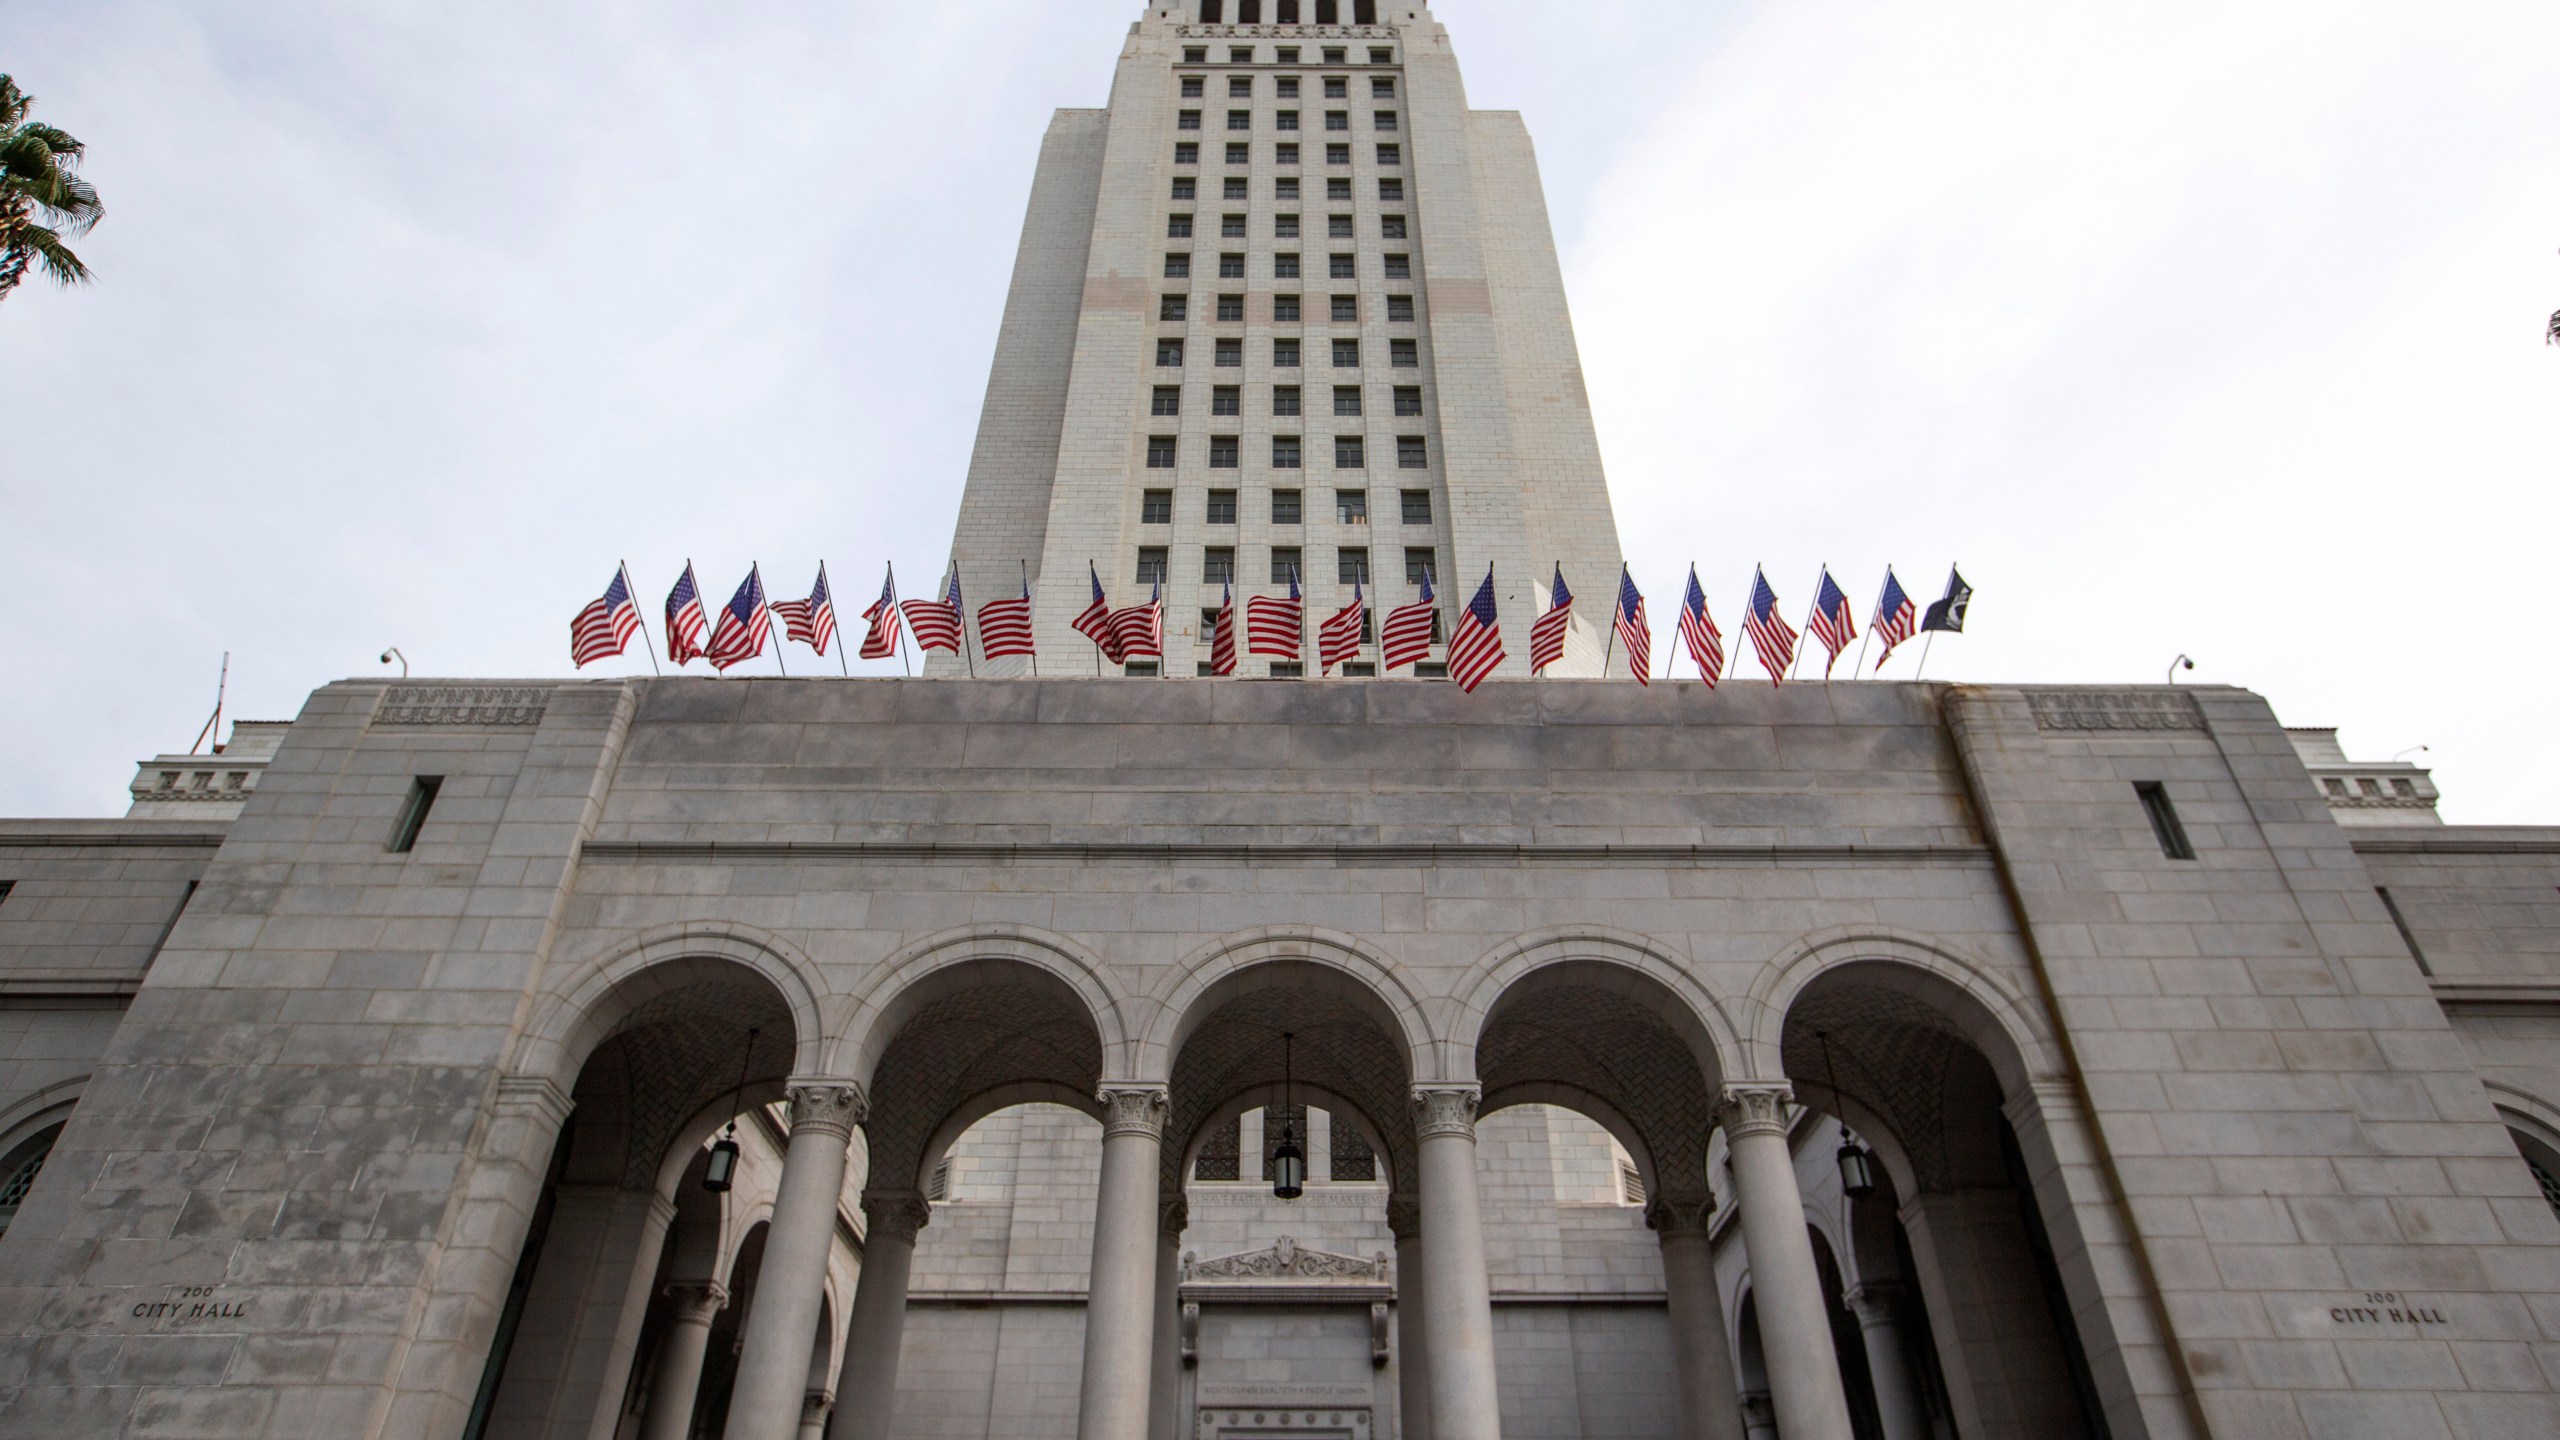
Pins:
x: 814, y: 1405
x: 1445, y: 1110
x: 898, y: 1214
x: 1133, y: 1107
x: 1173, y: 1216
x: 1679, y: 1215
x: 828, y: 1107
x: 1404, y: 1215
x: 698, y: 1300
x: 1876, y: 1303
x: 1755, y: 1107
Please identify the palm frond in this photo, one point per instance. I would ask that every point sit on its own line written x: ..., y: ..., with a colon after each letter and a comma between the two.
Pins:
x: 2551, y: 336
x: 45, y: 248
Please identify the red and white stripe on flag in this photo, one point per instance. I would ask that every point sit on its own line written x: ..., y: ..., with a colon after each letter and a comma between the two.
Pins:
x: 1339, y: 639
x: 1222, y: 639
x: 1406, y: 637
x: 1004, y: 628
x: 1475, y: 647
x: 935, y: 623
x: 1271, y: 625
x: 604, y: 629
x: 1138, y: 632
x: 1546, y: 637
x: 882, y: 638
x: 1706, y: 644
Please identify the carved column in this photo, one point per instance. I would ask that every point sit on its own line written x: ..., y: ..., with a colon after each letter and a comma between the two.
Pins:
x: 671, y: 1390
x: 867, y: 1385
x: 1458, y: 1302
x: 1878, y: 1306
x: 1795, y: 1325
x: 1413, y: 1359
x: 1164, y: 1405
x: 773, y: 1358
x: 1119, y: 1315
x: 1700, y: 1355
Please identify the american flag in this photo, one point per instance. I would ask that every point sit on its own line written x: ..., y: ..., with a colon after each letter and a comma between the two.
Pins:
x: 1004, y: 626
x: 1706, y: 642
x: 1222, y: 640
x: 606, y: 626
x: 1894, y: 616
x: 1772, y: 638
x: 1339, y: 639
x: 743, y: 624
x: 812, y: 622
x: 1272, y: 625
x: 1140, y: 628
x: 936, y: 623
x: 882, y: 638
x: 1095, y: 622
x: 1831, y: 623
x: 1406, y: 637
x: 685, y: 622
x: 1475, y: 647
x: 1633, y: 632
x: 1546, y: 636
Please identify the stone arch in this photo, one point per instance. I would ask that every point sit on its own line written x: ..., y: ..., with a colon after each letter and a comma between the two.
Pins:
x: 1591, y: 1106
x: 598, y: 999
x: 1222, y: 969
x: 2009, y: 1030
x: 1343, y: 1109
x: 2533, y: 1126
x: 1699, y: 1017
x: 978, y: 1107
x: 39, y: 1109
x: 937, y: 965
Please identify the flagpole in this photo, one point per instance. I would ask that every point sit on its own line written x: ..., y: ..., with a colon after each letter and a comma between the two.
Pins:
x: 1609, y: 647
x: 824, y: 583
x: 1869, y: 638
x: 645, y: 642
x: 756, y: 568
x: 1917, y: 671
x: 1797, y: 659
x: 960, y: 612
x: 1106, y: 624
x: 1733, y: 657
x: 1026, y: 594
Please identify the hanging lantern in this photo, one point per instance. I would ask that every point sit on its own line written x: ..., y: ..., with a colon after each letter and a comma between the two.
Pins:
x: 722, y: 1169
x: 1857, y: 1167
x: 1288, y: 1162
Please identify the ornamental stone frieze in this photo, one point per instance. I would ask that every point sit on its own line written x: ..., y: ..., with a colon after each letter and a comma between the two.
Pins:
x: 407, y: 707
x: 1286, y: 1260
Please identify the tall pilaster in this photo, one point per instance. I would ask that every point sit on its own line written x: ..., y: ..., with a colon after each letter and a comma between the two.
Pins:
x: 773, y: 1360
x: 1119, y: 1323
x: 1459, y: 1298
x: 1795, y: 1326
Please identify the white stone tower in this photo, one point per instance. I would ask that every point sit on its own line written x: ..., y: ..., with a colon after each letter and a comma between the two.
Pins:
x: 1286, y: 301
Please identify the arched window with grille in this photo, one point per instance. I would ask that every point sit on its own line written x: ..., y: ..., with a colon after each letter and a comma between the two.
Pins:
x: 19, y: 1168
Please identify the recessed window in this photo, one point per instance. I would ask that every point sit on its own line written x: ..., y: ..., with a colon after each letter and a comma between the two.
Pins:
x: 1222, y: 507
x: 1241, y: 54
x: 1346, y: 452
x: 1408, y: 399
x: 1287, y: 54
x: 1382, y: 87
x: 2164, y: 820
x: 1346, y: 309
x: 1284, y: 308
x: 1284, y: 267
x: 1155, y: 507
x: 1357, y: 670
x: 1284, y: 507
x: 1192, y: 88
x: 1284, y: 353
x: 1337, y: 119
x: 1177, y: 227
x: 1288, y: 670
x: 1284, y: 564
x: 1337, y: 55
x: 1284, y: 227
x: 1199, y: 54
x: 1432, y: 669
x: 1346, y: 399
x: 1168, y: 401
x: 1416, y: 506
x: 1284, y: 399
x: 1338, y: 227
x: 1284, y: 154
x: 1285, y: 188
x: 1399, y: 309
x: 1222, y: 452
x: 1287, y: 120
x: 1226, y: 400
x: 1230, y: 354
x: 1284, y: 452
x: 1343, y: 267
x: 1417, y: 565
x: 1240, y: 87
x: 1230, y: 308
x: 1381, y: 55
x: 1172, y: 307
x: 1186, y: 187
x: 1411, y: 453
x: 413, y: 814
x: 1390, y: 154
x: 1387, y: 120
x: 1159, y: 452
x: 1218, y: 565
x: 1351, y: 507
x: 1403, y: 354
x: 1240, y: 152
x: 1239, y: 120
x: 1351, y: 566
x: 1187, y: 120
x: 1391, y: 189
x: 1399, y: 267
x: 1239, y: 188
x: 1337, y: 188
x: 1391, y: 227
x: 1336, y: 87
x: 1186, y: 152
x: 1140, y: 669
x: 1337, y: 154
x: 1177, y: 267
x: 1288, y: 87
x: 1346, y: 354
x: 1231, y: 267
x: 1169, y: 353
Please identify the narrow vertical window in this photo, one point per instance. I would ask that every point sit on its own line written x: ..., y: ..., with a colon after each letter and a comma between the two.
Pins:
x: 413, y: 816
x: 2164, y: 820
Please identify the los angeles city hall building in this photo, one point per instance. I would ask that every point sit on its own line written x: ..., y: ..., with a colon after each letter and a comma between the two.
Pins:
x: 647, y: 1059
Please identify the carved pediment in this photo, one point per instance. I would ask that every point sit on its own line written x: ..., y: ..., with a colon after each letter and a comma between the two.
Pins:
x: 1287, y: 1260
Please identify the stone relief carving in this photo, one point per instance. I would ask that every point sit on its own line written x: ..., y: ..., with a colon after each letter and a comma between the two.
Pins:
x: 1287, y: 1260
x: 1761, y: 1107
x: 1132, y: 1110
x: 1446, y: 1110
x: 2114, y: 710
x: 494, y: 706
x: 830, y: 1108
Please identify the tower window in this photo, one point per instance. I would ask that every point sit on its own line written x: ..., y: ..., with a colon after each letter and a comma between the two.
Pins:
x: 1187, y: 153
x: 413, y: 814
x: 1169, y: 353
x: 1284, y: 400
x: 1417, y: 567
x: 1351, y: 566
x: 1239, y: 153
x: 1337, y: 188
x: 1399, y: 267
x: 1155, y: 507
x: 1248, y: 12
x: 1151, y: 564
x: 1404, y: 354
x: 1199, y: 54
x: 1168, y: 401
x: 1379, y: 55
x: 1346, y: 400
x: 1386, y: 121
x: 1391, y: 189
x: 1191, y: 87
x: 1187, y: 120
x: 1338, y: 227
x: 1284, y: 353
x: 1238, y: 188
x: 1285, y: 188
x: 1239, y: 86
x: 1284, y: 507
x: 1231, y: 227
x: 1336, y: 87
x: 1382, y: 87
x: 1177, y: 227
x: 1172, y: 307
x: 1284, y: 564
x: 1218, y: 565
x: 1284, y: 227
x: 1222, y: 452
x: 1231, y: 267
x: 1411, y: 453
x: 1335, y: 54
x: 1390, y: 227
x: 1390, y: 154
x: 2164, y: 820
x: 1287, y: 120
x: 1222, y: 507
x: 1346, y: 308
x: 1337, y: 154
x: 1285, y: 154
x: 1408, y: 399
x: 1159, y: 452
x: 1399, y: 309
x: 1284, y: 452
x: 1416, y: 506
x: 1230, y: 308
x: 1177, y: 267
x: 1346, y: 354
x: 1342, y: 268
x: 1225, y: 400
x: 1284, y: 307
x: 1186, y: 187
x: 1284, y: 267
x: 1288, y: 87
x: 1337, y: 119
x: 1230, y: 354
x: 1351, y: 507
x: 1239, y: 119
x: 1346, y: 452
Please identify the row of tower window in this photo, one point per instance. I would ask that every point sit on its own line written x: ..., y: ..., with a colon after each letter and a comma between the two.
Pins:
x: 1336, y: 87
x: 1350, y: 452
x: 1286, y: 401
x: 1229, y: 354
x: 1293, y: 12
x: 1338, y: 120
x: 1240, y: 152
x: 1229, y: 310
x: 1350, y: 507
x: 1218, y: 565
x: 1286, y: 266
x: 1336, y: 188
x: 1283, y: 227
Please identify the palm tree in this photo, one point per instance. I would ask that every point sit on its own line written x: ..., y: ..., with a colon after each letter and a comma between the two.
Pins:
x: 37, y: 183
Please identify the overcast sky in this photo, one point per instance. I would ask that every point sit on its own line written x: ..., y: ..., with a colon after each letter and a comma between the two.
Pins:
x: 2210, y: 328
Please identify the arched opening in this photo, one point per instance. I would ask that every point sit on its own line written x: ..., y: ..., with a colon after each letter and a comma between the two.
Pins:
x: 1213, y: 12
x: 2542, y: 1159
x: 19, y: 1168
x: 1897, y: 1057
x: 1328, y: 12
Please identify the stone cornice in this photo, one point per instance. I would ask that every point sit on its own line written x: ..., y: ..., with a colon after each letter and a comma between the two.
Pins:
x: 698, y: 852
